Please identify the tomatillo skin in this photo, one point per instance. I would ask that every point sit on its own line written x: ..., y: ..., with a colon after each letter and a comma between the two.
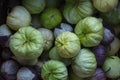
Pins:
x: 27, y: 45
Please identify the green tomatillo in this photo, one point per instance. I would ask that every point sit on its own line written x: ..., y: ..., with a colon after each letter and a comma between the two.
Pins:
x: 111, y: 67
x: 27, y: 45
x: 84, y: 64
x: 54, y: 70
x: 50, y: 18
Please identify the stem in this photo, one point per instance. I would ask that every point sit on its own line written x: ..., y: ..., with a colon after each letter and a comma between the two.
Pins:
x: 108, y: 70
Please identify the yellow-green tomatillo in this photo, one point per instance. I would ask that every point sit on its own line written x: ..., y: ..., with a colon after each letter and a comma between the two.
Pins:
x: 90, y: 31
x: 27, y: 45
x: 67, y: 44
x: 105, y: 5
